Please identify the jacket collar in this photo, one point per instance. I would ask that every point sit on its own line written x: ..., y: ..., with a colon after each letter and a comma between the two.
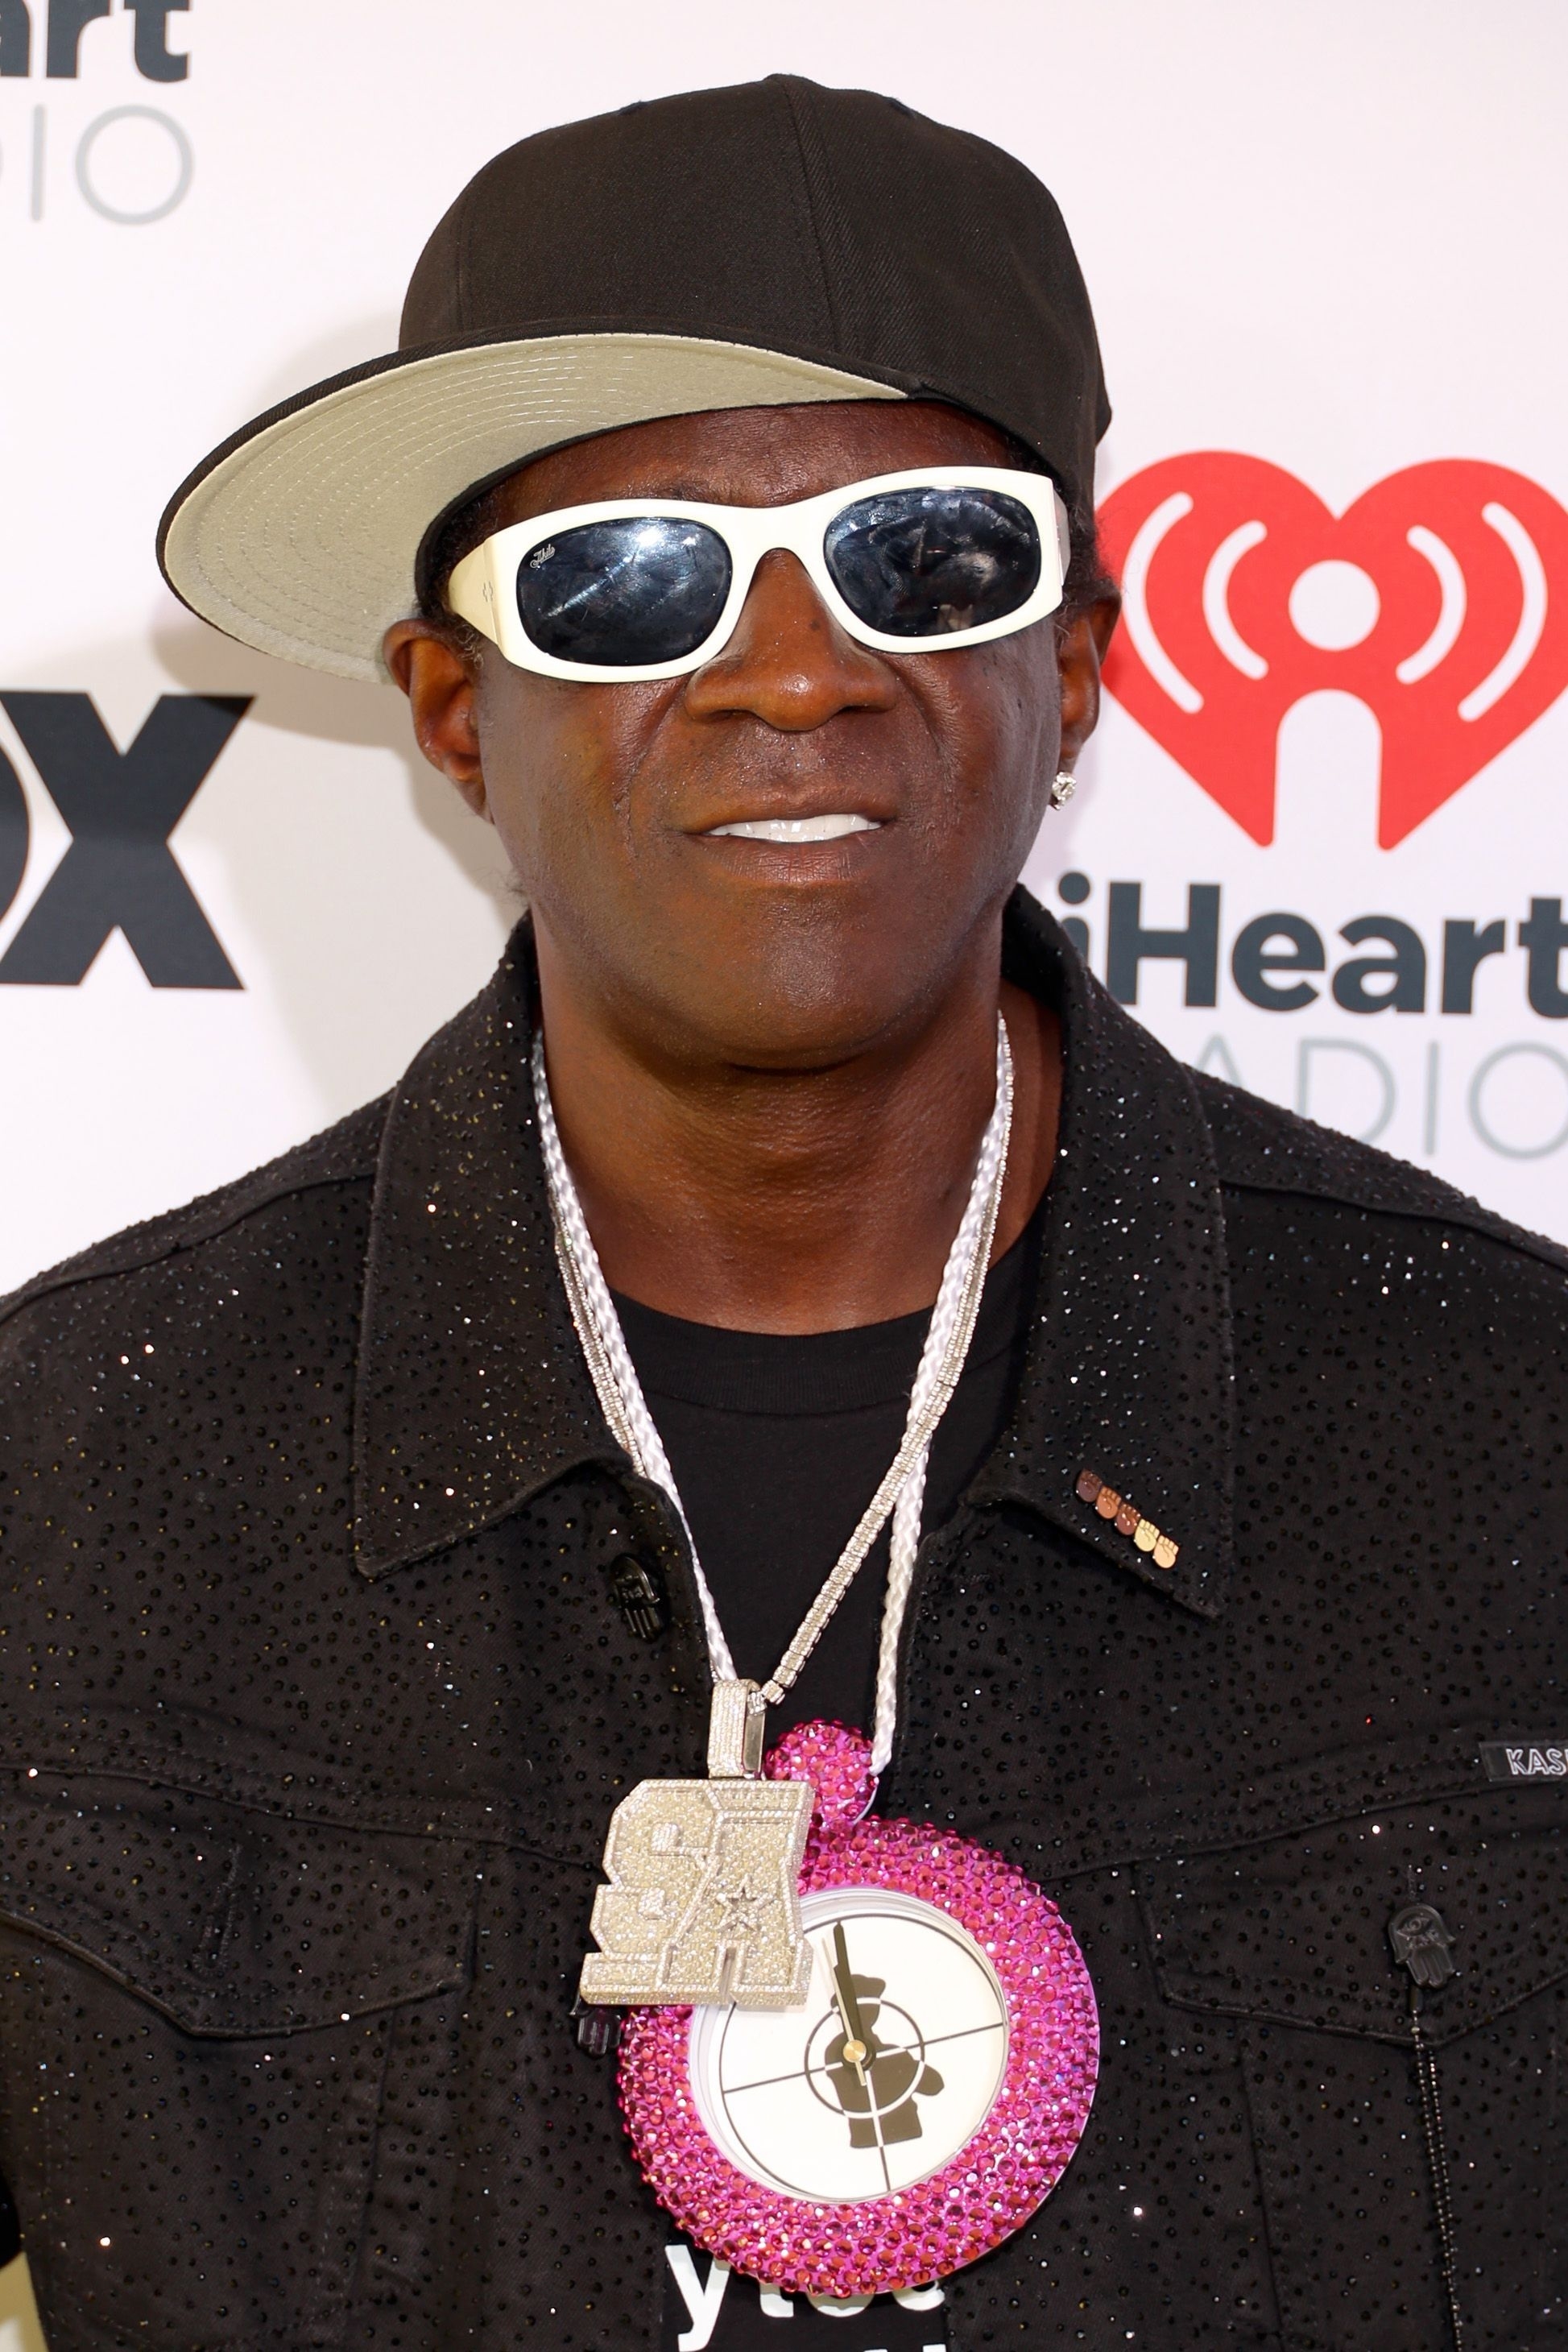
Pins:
x: 1128, y: 1378
x: 472, y: 1393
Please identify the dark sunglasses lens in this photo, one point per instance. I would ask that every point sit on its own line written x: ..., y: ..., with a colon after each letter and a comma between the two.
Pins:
x: 626, y: 592
x: 922, y: 563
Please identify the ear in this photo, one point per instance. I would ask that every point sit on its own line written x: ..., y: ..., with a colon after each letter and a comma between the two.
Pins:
x: 441, y: 682
x: 1080, y: 649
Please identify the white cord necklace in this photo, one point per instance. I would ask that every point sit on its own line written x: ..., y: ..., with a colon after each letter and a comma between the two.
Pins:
x: 902, y: 1491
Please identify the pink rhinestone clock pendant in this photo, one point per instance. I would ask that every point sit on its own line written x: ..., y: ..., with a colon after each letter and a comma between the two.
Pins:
x: 925, y: 2099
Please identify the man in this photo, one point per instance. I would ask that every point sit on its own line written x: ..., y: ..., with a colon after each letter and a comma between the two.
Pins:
x: 352, y: 1587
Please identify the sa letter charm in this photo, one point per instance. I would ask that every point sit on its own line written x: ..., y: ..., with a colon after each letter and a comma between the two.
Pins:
x: 703, y: 1902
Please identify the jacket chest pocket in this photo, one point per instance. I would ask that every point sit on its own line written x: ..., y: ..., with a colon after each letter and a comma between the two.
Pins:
x: 198, y: 2005
x: 1401, y: 1981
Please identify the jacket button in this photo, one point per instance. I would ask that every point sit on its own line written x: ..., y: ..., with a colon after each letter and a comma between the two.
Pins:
x: 638, y: 1592
x: 597, y: 2030
x: 1422, y: 1943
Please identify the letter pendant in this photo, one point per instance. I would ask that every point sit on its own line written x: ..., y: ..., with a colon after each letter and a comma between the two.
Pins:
x: 703, y: 1902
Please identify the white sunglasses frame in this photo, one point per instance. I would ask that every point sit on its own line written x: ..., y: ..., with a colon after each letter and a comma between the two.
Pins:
x: 482, y: 589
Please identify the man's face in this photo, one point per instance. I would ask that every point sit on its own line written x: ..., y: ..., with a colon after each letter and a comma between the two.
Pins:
x: 608, y: 797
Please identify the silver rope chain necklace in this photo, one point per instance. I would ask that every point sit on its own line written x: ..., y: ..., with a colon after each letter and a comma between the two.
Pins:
x: 739, y: 1705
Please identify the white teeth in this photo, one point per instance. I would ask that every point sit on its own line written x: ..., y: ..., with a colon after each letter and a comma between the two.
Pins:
x: 797, y: 828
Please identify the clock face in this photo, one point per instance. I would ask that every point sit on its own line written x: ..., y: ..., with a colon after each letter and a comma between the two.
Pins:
x: 887, y: 2070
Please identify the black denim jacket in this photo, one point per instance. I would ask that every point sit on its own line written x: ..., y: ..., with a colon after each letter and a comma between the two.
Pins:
x: 316, y: 1701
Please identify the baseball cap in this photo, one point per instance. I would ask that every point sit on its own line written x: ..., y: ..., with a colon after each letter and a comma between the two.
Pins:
x: 772, y: 242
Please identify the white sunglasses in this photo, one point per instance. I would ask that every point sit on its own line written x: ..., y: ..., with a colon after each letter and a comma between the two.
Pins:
x: 644, y: 588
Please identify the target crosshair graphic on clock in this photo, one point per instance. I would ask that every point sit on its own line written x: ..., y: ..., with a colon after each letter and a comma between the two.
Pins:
x: 889, y: 2068
x: 875, y: 2081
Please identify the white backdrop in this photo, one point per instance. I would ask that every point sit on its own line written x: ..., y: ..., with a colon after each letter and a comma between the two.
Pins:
x: 1326, y: 238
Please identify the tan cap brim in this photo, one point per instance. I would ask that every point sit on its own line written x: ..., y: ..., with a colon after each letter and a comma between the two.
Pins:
x: 299, y: 536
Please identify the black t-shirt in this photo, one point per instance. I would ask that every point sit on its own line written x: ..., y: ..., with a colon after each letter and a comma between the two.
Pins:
x: 777, y: 1447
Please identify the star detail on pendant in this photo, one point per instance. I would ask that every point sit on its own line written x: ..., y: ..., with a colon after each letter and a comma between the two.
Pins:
x: 743, y: 1910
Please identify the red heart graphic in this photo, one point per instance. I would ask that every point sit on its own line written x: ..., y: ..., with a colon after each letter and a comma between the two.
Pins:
x: 1459, y: 618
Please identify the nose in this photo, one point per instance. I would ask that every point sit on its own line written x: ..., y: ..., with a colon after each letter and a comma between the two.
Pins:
x: 789, y: 663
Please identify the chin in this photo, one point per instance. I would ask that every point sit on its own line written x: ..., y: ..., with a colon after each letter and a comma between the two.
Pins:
x: 793, y: 980
x: 803, y: 1021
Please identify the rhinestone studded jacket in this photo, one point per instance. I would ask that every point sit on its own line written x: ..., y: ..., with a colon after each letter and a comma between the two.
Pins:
x: 317, y: 1699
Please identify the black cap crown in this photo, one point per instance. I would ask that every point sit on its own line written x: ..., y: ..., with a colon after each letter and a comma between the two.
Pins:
x: 836, y: 224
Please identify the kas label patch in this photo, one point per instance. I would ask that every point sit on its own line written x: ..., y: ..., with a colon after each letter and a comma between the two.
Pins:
x: 1526, y: 1759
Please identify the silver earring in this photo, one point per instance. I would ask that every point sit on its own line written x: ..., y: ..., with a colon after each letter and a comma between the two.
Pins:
x: 1062, y: 790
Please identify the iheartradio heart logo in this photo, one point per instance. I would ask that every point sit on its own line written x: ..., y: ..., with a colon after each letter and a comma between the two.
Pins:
x: 1440, y: 599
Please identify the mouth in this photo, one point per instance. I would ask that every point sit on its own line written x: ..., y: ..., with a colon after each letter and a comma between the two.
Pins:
x: 793, y: 829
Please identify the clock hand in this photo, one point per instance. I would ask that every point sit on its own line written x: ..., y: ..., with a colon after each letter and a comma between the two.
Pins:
x: 854, y: 2051
x: 855, y: 2046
